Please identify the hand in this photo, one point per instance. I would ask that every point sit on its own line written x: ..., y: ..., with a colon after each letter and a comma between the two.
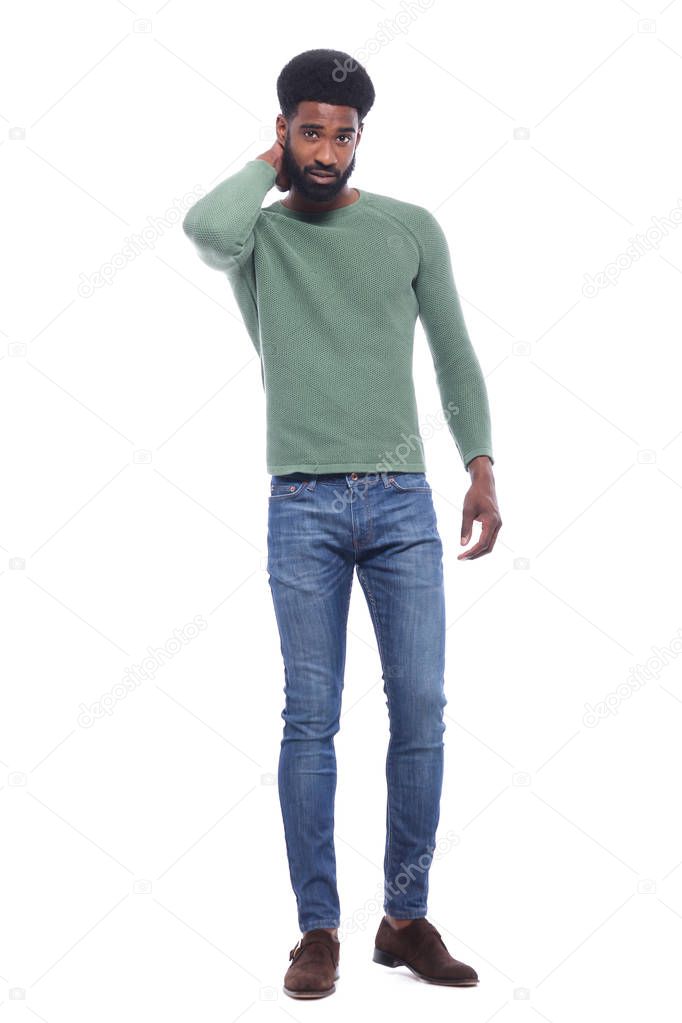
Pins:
x: 480, y: 505
x: 273, y: 156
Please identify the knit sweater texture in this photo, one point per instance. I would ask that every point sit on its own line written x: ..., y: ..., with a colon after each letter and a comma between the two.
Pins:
x: 330, y: 300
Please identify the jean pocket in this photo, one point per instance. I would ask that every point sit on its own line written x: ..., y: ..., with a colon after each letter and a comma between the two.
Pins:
x: 409, y: 481
x: 283, y: 487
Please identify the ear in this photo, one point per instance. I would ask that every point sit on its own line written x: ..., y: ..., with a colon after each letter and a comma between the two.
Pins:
x: 281, y: 127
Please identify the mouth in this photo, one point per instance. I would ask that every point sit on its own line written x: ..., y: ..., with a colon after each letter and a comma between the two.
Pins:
x: 321, y: 176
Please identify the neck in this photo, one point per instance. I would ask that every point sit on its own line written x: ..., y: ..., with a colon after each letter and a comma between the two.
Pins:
x: 295, y: 201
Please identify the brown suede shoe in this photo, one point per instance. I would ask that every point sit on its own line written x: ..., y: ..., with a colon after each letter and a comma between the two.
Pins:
x: 420, y: 947
x: 315, y: 965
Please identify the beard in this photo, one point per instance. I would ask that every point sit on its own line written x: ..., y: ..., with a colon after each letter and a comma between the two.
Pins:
x: 306, y: 186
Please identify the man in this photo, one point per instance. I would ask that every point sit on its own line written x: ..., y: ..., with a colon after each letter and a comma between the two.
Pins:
x: 330, y: 281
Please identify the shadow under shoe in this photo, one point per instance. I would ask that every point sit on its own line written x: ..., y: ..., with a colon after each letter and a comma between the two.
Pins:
x: 315, y: 966
x: 420, y: 947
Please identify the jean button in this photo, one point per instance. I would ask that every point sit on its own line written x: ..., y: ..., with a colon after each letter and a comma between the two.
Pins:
x: 353, y: 475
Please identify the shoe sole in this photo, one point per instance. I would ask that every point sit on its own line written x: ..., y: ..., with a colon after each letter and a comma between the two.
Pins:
x: 312, y: 994
x: 386, y: 959
x: 309, y: 994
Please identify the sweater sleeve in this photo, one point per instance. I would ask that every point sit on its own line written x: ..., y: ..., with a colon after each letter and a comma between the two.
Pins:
x: 460, y: 379
x: 221, y: 223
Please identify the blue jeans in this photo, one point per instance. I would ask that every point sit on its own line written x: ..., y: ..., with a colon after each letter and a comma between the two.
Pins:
x: 322, y: 528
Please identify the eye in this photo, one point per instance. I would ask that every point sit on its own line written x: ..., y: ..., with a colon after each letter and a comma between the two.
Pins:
x: 311, y: 131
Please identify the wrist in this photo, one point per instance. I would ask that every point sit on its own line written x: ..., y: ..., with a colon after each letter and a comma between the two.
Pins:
x: 267, y: 159
x: 480, y: 465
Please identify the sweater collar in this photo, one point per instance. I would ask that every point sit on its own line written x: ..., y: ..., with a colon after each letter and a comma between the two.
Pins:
x: 323, y: 216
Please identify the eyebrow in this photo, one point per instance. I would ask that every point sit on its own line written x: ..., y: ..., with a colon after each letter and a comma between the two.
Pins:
x: 318, y: 126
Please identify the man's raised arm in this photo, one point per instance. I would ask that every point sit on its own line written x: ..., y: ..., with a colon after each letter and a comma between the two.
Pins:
x: 221, y: 223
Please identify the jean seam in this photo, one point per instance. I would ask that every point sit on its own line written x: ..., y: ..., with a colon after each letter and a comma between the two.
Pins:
x: 377, y: 626
x: 408, y: 490
x: 315, y: 924
x: 287, y: 496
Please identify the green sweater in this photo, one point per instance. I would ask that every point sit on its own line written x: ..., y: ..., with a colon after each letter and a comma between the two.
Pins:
x: 330, y: 300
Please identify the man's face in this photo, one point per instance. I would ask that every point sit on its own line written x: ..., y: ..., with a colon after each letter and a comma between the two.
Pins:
x: 321, y: 137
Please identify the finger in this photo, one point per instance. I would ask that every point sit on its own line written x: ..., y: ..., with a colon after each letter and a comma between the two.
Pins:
x: 483, y: 540
x: 475, y: 552
x: 467, y: 523
x: 493, y: 539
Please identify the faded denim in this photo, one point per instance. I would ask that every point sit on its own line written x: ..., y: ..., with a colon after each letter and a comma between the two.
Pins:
x: 322, y: 528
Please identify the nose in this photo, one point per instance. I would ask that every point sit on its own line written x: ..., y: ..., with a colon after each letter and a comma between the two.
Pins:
x: 325, y: 160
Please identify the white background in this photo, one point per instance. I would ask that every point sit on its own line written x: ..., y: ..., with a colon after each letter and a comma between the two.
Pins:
x: 143, y: 870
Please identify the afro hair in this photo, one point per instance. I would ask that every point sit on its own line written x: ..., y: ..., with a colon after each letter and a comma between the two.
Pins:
x: 325, y: 76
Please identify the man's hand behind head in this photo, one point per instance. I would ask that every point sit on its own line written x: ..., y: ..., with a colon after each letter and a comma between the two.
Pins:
x: 273, y: 156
